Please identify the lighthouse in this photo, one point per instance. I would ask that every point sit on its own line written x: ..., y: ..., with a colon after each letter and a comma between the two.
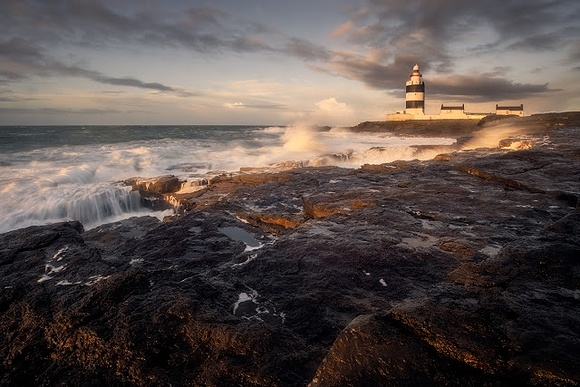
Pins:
x: 415, y: 93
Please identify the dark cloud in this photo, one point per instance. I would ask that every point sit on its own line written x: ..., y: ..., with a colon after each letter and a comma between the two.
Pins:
x: 96, y: 23
x: 7, y: 95
x: 482, y: 88
x: 16, y: 55
x: 19, y: 49
x: 23, y: 59
x: 10, y: 76
x: 574, y: 56
x: 266, y: 106
x: 497, y: 71
x: 91, y: 22
x: 491, y: 86
x: 51, y: 111
x: 518, y: 23
x: 128, y: 82
x: 547, y: 41
x: 132, y: 82
x: 306, y: 50
x: 375, y: 74
x: 8, y: 99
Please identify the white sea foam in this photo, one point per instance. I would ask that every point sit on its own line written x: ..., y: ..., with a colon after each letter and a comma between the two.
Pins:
x: 50, y: 269
x: 67, y: 283
x: 94, y: 279
x: 59, y: 254
x: 249, y: 259
x: 44, y: 278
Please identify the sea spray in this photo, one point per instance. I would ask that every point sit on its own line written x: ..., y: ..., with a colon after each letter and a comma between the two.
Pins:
x: 314, y: 146
x: 489, y: 137
x: 303, y: 138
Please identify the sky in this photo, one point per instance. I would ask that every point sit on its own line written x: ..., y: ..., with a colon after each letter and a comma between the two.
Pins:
x: 270, y: 62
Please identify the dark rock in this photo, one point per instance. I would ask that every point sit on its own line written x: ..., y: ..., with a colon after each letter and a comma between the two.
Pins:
x: 516, y: 143
x: 463, y: 272
x: 443, y: 157
x: 274, y: 223
x: 382, y: 350
x: 493, y: 119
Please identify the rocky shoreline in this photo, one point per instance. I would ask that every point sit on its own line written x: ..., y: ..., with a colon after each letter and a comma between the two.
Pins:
x: 462, y: 270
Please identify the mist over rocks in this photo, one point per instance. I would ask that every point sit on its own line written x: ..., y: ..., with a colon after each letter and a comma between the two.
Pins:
x: 460, y: 270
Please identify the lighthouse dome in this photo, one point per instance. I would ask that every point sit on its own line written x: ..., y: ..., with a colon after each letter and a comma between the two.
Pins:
x: 416, y: 67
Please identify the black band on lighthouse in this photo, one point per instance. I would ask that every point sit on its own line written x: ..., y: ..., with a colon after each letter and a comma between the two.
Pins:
x: 416, y: 88
x: 415, y: 104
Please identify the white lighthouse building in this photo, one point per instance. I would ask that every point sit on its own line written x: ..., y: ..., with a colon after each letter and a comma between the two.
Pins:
x: 415, y: 93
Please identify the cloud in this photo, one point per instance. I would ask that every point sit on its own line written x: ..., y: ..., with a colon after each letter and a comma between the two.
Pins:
x: 260, y: 106
x: 92, y: 22
x: 130, y: 82
x: 426, y: 22
x: 391, y: 76
x: 328, y: 111
x: 574, y: 56
x: 370, y: 70
x: 17, y: 55
x: 21, y: 59
x: 53, y: 111
x: 19, y: 49
x: 498, y: 71
x: 235, y: 105
x: 385, y: 38
x: 303, y: 49
x: 332, y: 106
x: 9, y: 96
x: 483, y: 88
x: 32, y: 29
x: 343, y: 29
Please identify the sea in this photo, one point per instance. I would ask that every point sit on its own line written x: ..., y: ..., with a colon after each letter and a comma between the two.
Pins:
x: 50, y: 174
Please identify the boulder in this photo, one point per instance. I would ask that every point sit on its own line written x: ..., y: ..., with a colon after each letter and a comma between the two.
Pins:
x: 155, y: 192
x: 155, y: 185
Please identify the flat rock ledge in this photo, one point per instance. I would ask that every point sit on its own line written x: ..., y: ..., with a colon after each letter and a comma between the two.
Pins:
x: 462, y: 270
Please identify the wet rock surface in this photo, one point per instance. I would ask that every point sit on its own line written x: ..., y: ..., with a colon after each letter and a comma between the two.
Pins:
x: 154, y: 189
x: 463, y: 270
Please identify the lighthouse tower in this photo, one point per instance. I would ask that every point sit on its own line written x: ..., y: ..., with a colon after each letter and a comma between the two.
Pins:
x: 415, y: 93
